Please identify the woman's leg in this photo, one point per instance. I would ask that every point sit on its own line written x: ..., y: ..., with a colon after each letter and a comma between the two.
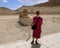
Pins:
x: 32, y: 41
x: 36, y: 41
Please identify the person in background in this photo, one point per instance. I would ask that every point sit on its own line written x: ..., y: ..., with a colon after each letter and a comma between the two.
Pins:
x: 37, y: 32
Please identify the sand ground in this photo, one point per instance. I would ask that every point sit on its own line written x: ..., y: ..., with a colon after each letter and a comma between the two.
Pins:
x: 11, y: 31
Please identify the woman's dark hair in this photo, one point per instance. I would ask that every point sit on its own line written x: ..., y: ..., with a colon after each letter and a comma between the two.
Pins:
x: 37, y: 12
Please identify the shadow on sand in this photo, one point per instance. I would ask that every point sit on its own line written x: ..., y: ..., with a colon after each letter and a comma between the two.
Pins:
x: 36, y: 46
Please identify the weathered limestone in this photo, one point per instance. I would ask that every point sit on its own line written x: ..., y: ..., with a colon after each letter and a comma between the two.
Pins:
x: 24, y: 20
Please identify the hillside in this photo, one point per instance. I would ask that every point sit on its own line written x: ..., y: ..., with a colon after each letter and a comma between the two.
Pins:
x: 50, y: 3
x: 50, y: 7
x: 4, y: 11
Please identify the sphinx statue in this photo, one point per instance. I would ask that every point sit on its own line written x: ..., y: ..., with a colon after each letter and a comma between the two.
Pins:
x: 24, y: 20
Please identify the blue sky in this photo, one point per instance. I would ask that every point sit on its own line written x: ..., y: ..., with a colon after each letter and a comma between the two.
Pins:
x: 14, y: 4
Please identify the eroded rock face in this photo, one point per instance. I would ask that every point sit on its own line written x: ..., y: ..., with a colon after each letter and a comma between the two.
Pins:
x: 54, y: 2
x: 51, y: 3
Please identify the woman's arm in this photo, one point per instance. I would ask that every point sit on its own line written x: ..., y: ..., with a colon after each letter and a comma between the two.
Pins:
x: 32, y: 23
x: 41, y: 22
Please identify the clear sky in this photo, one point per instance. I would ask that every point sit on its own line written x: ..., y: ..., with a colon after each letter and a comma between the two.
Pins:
x: 14, y: 4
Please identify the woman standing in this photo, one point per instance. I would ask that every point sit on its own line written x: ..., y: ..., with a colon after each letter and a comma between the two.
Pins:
x: 37, y: 31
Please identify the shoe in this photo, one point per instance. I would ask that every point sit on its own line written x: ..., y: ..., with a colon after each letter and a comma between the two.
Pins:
x: 32, y: 42
x: 37, y: 42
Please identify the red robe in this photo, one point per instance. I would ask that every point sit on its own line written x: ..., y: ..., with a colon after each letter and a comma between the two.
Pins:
x: 37, y: 32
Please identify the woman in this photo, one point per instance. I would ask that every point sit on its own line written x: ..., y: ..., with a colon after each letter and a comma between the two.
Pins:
x: 37, y: 31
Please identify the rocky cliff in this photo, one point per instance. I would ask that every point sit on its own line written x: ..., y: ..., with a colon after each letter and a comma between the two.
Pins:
x: 50, y: 3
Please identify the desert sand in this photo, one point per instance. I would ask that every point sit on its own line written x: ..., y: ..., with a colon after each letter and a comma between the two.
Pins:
x: 11, y: 31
